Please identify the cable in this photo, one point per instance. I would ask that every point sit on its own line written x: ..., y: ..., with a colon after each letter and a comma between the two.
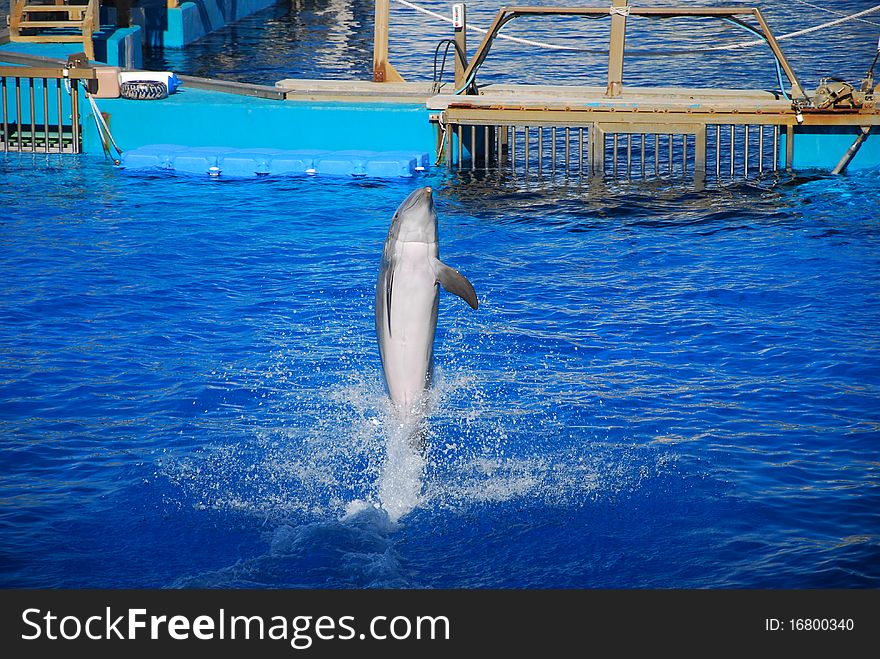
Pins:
x: 736, y: 46
x: 836, y: 13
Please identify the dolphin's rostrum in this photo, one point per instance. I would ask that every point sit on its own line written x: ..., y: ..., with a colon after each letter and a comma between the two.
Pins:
x: 407, y: 300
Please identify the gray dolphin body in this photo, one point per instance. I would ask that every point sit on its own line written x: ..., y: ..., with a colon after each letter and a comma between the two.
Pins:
x: 407, y: 299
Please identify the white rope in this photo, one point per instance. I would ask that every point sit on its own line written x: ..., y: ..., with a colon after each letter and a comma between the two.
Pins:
x: 832, y: 11
x: 744, y: 44
x: 816, y: 28
x: 527, y: 42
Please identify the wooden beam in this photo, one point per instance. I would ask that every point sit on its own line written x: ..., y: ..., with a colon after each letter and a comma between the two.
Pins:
x: 619, y: 12
x: 382, y: 69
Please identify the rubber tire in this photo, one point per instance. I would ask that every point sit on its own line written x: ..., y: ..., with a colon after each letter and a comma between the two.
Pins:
x: 143, y: 90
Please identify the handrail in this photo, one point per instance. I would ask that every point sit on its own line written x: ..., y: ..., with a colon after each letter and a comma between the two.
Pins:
x: 507, y: 14
x: 35, y: 73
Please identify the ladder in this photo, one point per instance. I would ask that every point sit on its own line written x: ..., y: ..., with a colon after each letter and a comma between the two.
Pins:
x: 53, y: 21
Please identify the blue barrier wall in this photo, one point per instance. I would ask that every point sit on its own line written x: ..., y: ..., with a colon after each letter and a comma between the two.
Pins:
x: 177, y: 27
x: 823, y: 147
x: 194, y: 117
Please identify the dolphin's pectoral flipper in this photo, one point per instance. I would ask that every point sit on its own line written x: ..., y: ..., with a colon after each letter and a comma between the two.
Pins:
x: 456, y: 283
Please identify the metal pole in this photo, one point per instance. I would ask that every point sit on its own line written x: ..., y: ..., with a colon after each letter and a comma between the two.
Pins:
x: 382, y: 69
x: 74, y: 113
x: 459, y: 24
x: 18, y: 111
x: 5, y: 118
x: 789, y: 148
x: 619, y: 12
x: 46, y: 114
x: 852, y: 150
x: 33, y: 116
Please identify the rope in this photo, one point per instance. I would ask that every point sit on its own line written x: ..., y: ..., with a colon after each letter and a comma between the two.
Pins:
x: 832, y: 11
x: 815, y: 28
x: 736, y: 46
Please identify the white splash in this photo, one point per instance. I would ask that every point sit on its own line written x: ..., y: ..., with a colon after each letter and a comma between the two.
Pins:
x: 400, y: 483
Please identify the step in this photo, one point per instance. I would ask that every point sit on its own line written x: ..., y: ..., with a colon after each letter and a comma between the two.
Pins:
x: 56, y: 9
x: 49, y: 38
x: 40, y: 24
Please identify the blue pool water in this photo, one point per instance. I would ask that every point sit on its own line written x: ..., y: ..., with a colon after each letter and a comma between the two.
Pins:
x: 663, y: 387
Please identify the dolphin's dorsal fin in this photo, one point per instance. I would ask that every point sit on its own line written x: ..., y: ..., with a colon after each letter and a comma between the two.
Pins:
x: 456, y: 283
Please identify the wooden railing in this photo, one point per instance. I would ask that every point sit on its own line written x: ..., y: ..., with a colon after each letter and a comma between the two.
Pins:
x: 55, y: 21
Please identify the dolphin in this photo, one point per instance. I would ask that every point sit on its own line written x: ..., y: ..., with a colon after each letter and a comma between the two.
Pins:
x: 406, y: 302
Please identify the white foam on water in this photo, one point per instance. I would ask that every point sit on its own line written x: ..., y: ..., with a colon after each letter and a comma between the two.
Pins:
x: 348, y: 450
x: 401, y: 481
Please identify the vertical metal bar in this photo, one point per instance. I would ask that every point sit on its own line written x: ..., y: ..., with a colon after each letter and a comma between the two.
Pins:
x: 513, y: 149
x: 33, y: 116
x: 526, y: 131
x: 746, y: 152
x: 540, y: 148
x: 58, y: 84
x: 717, y: 150
x: 760, y: 148
x: 18, y: 112
x: 553, y: 150
x: 459, y: 145
x: 642, y: 138
x: 614, y: 165
x: 486, y: 147
x: 789, y: 148
x: 629, y: 139
x: 473, y: 148
x: 657, y: 154
x: 46, y: 114
x: 597, y: 150
x: 567, y: 149
x: 5, y: 115
x: 670, y: 154
x: 74, y: 113
x: 581, y: 151
x: 732, y: 140
x: 775, y: 148
x: 700, y: 152
x: 684, y: 154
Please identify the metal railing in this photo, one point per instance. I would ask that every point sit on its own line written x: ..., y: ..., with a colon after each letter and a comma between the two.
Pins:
x: 698, y: 151
x: 40, y: 109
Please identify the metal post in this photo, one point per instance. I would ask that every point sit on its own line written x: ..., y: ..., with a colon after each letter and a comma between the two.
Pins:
x: 567, y: 149
x: 642, y: 154
x: 732, y: 154
x: 46, y: 114
x: 597, y: 150
x: 540, y: 149
x: 459, y: 24
x: 789, y: 148
x: 382, y: 69
x: 60, y: 115
x: 18, y: 111
x: 700, y: 152
x: 761, y: 149
x: 619, y: 12
x: 5, y: 119
x: 657, y: 154
x: 33, y: 116
x: 74, y: 113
